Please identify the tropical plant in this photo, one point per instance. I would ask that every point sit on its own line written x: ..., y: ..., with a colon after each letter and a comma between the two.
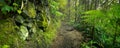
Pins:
x: 107, y: 20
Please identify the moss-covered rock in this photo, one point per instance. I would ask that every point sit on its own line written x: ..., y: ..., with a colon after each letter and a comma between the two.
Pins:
x: 30, y: 29
x: 29, y: 10
x: 19, y: 19
x: 43, y: 21
x: 8, y: 35
x: 23, y: 32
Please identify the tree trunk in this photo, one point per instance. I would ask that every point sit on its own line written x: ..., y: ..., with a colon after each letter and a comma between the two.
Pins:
x: 76, y: 11
x: 119, y: 1
x: 69, y: 9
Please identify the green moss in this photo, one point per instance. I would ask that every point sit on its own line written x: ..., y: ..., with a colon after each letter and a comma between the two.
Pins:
x: 46, y: 38
x: 10, y: 37
x: 43, y: 21
x: 29, y: 10
x: 5, y: 46
x: 7, y: 32
x: 50, y: 34
x: 23, y: 32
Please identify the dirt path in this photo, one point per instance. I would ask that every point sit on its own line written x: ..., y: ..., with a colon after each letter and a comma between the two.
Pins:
x: 67, y: 37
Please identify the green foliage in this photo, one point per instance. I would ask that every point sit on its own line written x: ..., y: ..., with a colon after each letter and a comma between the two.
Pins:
x: 62, y: 3
x: 29, y: 10
x: 19, y: 11
x: 91, y: 44
x: 54, y: 9
x: 5, y: 46
x: 103, y: 19
x: 15, y: 4
x: 8, y: 35
x: 6, y: 9
x: 21, y: 30
x: 105, y: 22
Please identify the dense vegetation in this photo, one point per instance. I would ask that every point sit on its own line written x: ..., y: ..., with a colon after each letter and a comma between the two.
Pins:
x: 34, y: 23
x: 99, y: 20
x: 28, y: 23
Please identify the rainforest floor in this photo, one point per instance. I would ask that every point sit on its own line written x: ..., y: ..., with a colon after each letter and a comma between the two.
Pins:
x: 67, y: 37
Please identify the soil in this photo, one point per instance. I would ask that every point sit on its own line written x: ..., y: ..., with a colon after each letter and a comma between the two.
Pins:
x: 67, y: 37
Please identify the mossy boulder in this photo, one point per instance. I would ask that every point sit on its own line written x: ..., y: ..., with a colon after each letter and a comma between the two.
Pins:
x: 23, y: 32
x: 29, y: 10
x: 43, y: 22
x: 8, y: 35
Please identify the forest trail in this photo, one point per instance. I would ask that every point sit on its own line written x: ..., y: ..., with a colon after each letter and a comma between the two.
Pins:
x: 67, y: 37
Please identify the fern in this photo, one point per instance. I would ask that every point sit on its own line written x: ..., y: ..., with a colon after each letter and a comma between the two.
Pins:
x: 104, y: 19
x: 6, y: 9
x: 107, y: 20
